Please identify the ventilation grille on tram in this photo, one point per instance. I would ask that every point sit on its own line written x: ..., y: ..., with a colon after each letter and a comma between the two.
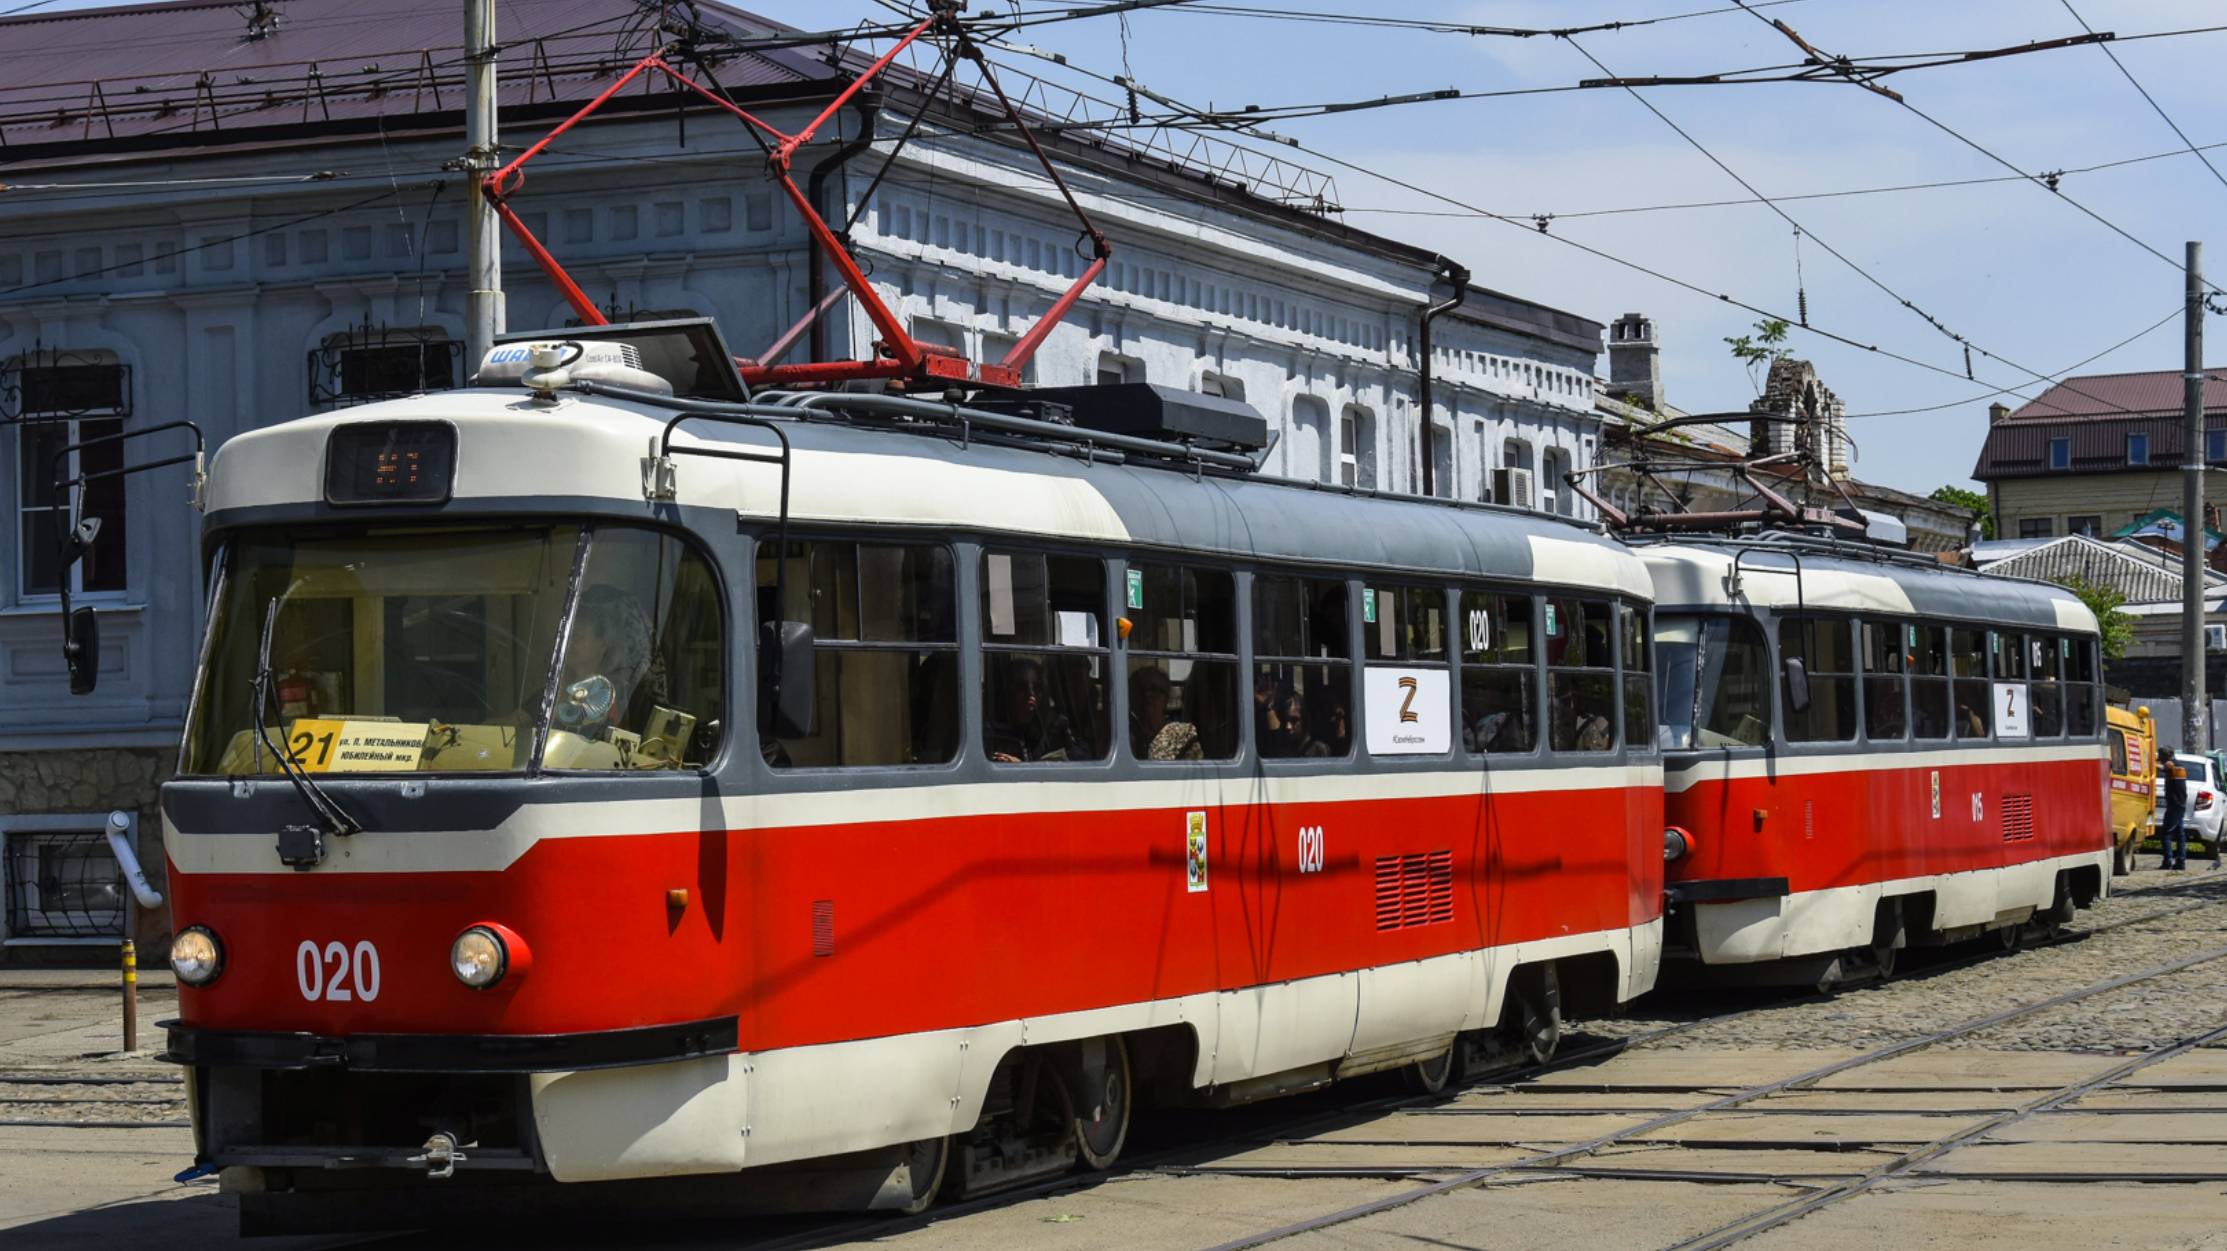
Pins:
x: 2018, y: 818
x: 1414, y: 890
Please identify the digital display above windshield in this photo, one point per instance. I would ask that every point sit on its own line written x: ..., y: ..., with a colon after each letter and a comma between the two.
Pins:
x: 390, y: 462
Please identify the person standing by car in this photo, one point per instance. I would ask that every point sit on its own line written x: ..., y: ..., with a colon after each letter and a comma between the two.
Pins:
x: 2172, y: 830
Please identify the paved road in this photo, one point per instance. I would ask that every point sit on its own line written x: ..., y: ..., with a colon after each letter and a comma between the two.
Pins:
x: 2050, y: 1177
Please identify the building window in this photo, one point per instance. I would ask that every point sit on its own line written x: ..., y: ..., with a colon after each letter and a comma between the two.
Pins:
x: 930, y: 332
x: 995, y: 348
x: 1555, y: 495
x: 2060, y: 453
x: 2138, y: 449
x: 1114, y: 369
x: 1357, y: 447
x: 2090, y: 524
x: 2036, y: 527
x: 2215, y: 446
x: 60, y: 400
x: 62, y: 880
x: 367, y: 363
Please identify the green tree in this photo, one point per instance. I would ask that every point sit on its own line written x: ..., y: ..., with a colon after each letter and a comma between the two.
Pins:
x: 1762, y: 348
x: 1972, y: 500
x: 2117, y: 627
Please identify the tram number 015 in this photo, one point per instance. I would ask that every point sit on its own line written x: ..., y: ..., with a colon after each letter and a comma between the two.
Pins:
x: 1310, y: 849
x: 337, y: 973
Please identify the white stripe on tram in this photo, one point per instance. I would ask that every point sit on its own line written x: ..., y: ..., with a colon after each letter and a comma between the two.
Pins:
x: 441, y: 851
x: 1683, y: 777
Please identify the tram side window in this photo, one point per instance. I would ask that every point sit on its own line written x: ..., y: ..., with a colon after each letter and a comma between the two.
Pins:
x: 1405, y: 625
x: 1826, y: 648
x: 1302, y: 668
x: 1581, y: 675
x: 2045, y: 656
x: 1716, y: 682
x: 886, y: 652
x: 1930, y: 695
x: 1886, y: 675
x: 1182, y: 663
x: 1044, y: 659
x: 2007, y: 648
x: 2082, y: 700
x: 1974, y: 702
x: 643, y: 681
x: 1498, y: 674
x: 1638, y: 661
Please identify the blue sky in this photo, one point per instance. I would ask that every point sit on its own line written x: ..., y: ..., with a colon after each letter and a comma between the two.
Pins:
x: 2015, y: 268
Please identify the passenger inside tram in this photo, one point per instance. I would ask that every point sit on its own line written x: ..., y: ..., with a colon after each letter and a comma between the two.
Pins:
x: 1023, y: 725
x: 1152, y: 734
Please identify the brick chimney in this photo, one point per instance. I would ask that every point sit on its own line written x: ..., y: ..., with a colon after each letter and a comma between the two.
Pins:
x: 1997, y: 411
x: 1634, y: 361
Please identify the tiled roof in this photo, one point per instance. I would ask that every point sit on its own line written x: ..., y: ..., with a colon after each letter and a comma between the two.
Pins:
x: 2154, y: 392
x: 2142, y: 574
x: 2095, y: 414
x: 194, y: 73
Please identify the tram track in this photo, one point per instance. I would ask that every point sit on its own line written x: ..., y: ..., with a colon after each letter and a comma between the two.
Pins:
x: 1453, y: 1177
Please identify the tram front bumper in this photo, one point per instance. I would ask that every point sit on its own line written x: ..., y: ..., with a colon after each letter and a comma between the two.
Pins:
x: 279, y: 1110
x: 450, y: 1053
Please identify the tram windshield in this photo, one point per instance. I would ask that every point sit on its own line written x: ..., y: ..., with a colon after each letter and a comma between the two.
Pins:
x: 1714, y: 676
x: 418, y: 650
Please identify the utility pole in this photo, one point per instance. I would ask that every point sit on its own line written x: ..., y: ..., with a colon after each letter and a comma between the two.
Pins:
x: 2195, y: 730
x: 483, y: 305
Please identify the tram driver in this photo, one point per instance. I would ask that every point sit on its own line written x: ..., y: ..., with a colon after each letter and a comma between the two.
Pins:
x: 607, y: 662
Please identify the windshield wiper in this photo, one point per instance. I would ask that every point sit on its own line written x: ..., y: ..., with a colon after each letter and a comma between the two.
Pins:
x: 302, y: 846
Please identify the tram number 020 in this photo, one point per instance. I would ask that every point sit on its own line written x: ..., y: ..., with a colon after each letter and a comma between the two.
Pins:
x: 1310, y: 849
x: 336, y: 972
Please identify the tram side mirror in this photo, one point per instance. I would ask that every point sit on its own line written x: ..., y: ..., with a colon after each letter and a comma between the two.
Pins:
x: 1797, y: 686
x: 81, y: 650
x: 786, y: 698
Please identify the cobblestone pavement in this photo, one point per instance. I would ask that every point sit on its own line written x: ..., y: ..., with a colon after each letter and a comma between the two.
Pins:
x: 1938, y: 989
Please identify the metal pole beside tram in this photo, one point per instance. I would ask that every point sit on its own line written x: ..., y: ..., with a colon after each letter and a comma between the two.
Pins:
x: 483, y: 301
x: 2195, y: 730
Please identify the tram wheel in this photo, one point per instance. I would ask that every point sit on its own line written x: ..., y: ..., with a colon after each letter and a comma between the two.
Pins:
x: 1884, y: 958
x: 1102, y: 1109
x: 1433, y: 1076
x: 2011, y: 937
x: 926, y: 1162
x: 2119, y: 858
x: 1536, y: 1013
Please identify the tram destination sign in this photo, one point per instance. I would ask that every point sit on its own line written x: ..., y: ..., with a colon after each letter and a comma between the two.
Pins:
x: 390, y: 462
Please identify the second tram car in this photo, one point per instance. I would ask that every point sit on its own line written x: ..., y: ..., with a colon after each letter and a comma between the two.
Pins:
x: 589, y: 784
x: 1865, y: 750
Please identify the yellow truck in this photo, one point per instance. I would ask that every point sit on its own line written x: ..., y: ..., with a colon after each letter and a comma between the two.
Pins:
x: 2133, y: 742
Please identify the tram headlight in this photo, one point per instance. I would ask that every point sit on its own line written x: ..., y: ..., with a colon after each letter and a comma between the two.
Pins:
x: 1676, y: 843
x: 479, y: 957
x: 196, y: 956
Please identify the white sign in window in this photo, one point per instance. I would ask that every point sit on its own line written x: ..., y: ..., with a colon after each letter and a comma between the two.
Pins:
x: 2010, y: 710
x: 1409, y: 711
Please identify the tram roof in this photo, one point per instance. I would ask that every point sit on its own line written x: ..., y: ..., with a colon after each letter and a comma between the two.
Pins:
x: 1692, y: 574
x: 588, y: 454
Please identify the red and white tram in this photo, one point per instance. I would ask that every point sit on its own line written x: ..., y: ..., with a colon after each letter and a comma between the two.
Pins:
x: 1864, y: 750
x: 621, y: 778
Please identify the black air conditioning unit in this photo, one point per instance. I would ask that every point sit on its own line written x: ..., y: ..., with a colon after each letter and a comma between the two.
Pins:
x: 1150, y: 411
